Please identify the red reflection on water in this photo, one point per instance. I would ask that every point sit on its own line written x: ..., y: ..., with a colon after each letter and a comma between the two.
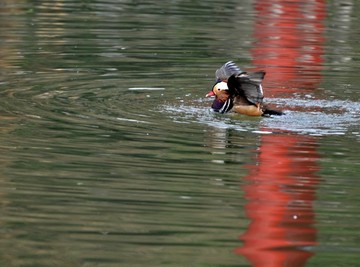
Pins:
x: 282, y: 181
x: 280, y: 196
x: 289, y: 44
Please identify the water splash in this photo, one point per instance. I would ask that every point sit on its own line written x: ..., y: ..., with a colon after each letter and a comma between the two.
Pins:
x: 310, y: 117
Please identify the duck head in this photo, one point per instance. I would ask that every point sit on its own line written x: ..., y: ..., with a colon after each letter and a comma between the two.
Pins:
x: 223, y: 101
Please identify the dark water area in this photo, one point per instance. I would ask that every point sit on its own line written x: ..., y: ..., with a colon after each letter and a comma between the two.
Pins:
x: 111, y: 156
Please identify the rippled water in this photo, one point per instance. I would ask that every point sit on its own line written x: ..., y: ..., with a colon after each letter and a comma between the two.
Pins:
x: 111, y: 156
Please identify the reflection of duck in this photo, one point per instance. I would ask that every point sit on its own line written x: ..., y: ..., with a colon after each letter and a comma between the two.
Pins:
x: 239, y: 92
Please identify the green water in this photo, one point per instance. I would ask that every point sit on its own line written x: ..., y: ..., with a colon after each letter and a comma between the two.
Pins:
x: 111, y: 156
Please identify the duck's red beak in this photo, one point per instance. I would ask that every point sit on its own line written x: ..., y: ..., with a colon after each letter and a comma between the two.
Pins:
x: 211, y: 93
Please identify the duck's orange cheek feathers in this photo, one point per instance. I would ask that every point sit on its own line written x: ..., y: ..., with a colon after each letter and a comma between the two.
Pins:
x: 223, y: 96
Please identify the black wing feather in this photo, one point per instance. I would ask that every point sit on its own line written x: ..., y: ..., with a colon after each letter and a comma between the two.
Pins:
x: 247, y: 85
x: 226, y: 70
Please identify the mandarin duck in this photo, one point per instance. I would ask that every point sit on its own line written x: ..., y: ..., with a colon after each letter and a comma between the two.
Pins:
x: 239, y: 91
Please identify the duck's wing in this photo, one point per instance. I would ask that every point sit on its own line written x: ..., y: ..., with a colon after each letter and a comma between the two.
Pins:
x: 226, y: 70
x: 247, y: 85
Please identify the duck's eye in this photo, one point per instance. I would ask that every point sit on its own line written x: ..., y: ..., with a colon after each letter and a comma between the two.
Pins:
x: 218, y: 89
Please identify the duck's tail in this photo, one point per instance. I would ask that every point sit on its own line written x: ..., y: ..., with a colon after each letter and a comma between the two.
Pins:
x: 269, y: 112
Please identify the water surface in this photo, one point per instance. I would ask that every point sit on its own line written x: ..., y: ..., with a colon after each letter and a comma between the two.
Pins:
x: 111, y: 156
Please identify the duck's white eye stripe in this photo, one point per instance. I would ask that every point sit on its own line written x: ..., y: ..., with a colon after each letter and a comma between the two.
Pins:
x: 222, y: 86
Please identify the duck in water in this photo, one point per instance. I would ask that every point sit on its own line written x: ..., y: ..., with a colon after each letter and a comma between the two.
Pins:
x: 239, y: 91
